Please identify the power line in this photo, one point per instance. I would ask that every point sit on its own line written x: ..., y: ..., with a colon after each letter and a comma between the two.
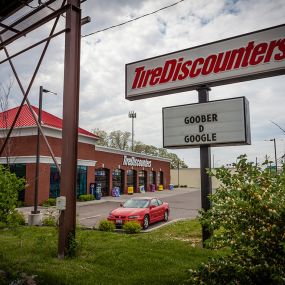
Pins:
x: 132, y: 20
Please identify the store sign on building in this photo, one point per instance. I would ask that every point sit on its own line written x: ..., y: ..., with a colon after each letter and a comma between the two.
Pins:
x: 255, y: 55
x: 132, y: 161
x: 215, y: 123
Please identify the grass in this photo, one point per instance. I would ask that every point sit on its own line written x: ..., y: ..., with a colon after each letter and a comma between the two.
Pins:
x: 160, y: 257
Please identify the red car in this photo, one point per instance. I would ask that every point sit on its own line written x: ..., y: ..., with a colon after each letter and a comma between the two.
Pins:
x: 145, y: 210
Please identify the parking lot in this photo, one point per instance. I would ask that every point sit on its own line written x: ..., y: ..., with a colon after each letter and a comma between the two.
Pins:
x: 184, y: 204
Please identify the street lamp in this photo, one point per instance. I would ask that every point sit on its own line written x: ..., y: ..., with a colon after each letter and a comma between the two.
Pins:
x: 132, y: 115
x: 274, y: 140
x: 42, y: 90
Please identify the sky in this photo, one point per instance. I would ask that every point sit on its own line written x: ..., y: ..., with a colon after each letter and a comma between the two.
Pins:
x: 104, y: 55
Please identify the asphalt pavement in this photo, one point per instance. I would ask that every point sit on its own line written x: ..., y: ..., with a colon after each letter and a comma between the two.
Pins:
x: 184, y: 204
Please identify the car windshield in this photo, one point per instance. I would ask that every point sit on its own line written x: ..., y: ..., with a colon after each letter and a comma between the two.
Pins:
x: 136, y: 203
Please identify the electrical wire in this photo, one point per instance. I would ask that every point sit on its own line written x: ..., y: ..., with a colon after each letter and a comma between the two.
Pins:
x: 132, y: 20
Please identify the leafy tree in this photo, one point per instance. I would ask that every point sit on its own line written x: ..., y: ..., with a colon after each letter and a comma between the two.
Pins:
x: 103, y: 137
x: 10, y: 186
x: 121, y: 140
x: 247, y: 216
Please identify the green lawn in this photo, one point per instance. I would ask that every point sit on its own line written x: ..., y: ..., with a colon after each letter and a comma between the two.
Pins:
x: 160, y: 257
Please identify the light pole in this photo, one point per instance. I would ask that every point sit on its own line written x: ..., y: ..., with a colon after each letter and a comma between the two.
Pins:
x: 132, y: 115
x: 42, y: 90
x: 274, y: 140
x: 178, y: 172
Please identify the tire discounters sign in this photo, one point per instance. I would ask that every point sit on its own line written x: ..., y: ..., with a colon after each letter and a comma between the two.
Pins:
x: 255, y: 55
x: 220, y: 122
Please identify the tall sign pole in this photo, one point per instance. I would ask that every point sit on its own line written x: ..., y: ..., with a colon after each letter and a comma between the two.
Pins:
x: 67, y: 221
x: 205, y: 163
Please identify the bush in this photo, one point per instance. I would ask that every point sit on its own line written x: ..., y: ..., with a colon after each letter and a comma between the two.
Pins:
x: 106, y: 226
x: 49, y: 221
x: 248, y: 216
x: 132, y: 227
x: 10, y: 187
x: 49, y: 202
x: 87, y: 197
x: 16, y: 219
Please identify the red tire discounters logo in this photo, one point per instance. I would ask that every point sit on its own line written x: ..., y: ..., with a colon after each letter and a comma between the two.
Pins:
x: 258, y: 54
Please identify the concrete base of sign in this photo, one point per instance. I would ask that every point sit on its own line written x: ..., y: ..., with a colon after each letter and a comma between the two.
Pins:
x: 35, y: 219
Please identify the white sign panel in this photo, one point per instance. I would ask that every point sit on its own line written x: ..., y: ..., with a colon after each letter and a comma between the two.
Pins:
x: 215, y: 123
x: 255, y: 55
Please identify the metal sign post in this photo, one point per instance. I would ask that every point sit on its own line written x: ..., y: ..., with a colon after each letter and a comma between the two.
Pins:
x: 205, y: 163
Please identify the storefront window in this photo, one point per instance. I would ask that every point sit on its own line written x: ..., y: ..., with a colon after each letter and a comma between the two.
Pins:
x: 102, y: 180
x: 132, y: 179
x: 80, y: 182
x: 161, y: 178
x: 158, y: 178
x: 142, y: 177
x: 54, y: 182
x: 117, y: 178
x: 152, y: 177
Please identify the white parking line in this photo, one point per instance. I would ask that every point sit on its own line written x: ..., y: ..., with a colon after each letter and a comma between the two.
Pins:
x: 91, y: 217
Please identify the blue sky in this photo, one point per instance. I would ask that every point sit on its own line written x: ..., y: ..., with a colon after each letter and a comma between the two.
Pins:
x: 104, y: 55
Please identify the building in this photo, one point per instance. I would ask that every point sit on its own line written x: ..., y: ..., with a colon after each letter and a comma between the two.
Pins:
x: 107, y: 167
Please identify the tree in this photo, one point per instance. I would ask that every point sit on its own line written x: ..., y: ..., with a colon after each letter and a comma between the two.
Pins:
x: 10, y: 186
x: 5, y: 91
x: 121, y: 140
x: 103, y: 137
x: 247, y: 217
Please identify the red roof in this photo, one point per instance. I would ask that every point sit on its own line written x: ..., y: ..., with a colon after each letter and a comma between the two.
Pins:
x: 26, y: 119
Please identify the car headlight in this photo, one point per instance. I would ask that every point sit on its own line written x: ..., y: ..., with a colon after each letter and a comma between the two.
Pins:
x: 111, y: 215
x: 134, y: 217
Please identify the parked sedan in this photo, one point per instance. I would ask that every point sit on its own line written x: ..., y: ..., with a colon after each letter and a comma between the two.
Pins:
x: 145, y: 210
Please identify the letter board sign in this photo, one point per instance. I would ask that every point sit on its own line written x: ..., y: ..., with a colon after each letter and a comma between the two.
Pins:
x: 250, y: 56
x: 215, y: 123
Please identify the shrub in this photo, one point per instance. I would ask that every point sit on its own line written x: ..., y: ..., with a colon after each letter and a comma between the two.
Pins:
x: 106, y: 226
x: 10, y: 187
x: 49, y: 221
x: 87, y: 197
x: 49, y: 202
x: 248, y: 216
x: 16, y: 219
x: 132, y: 227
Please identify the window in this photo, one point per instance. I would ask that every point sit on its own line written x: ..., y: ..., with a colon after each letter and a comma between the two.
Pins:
x: 159, y: 202
x: 154, y: 202
x: 55, y: 181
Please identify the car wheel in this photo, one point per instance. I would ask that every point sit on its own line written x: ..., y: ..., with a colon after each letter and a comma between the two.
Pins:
x: 165, y: 216
x: 145, y: 222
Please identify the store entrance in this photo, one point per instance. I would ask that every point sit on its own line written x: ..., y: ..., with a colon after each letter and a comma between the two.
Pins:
x: 118, y: 179
x: 152, y: 180
x: 142, y: 180
x: 102, y: 180
x: 132, y: 179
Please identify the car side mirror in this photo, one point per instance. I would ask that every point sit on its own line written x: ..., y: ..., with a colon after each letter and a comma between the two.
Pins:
x: 121, y: 204
x: 152, y: 206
